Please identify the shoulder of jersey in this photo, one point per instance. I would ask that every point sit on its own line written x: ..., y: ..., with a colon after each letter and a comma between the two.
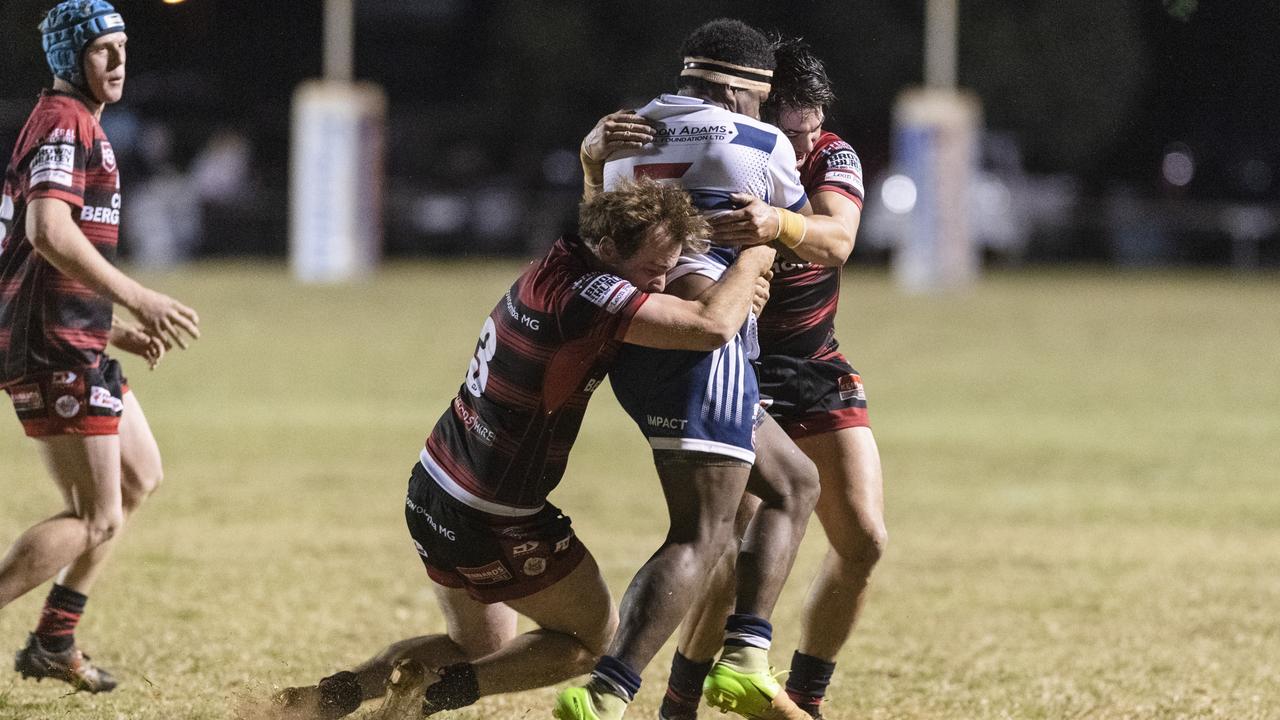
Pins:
x: 831, y: 142
x: 63, y: 105
x: 836, y: 153
x: 60, y: 111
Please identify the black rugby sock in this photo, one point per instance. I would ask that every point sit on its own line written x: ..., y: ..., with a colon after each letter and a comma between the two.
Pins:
x: 684, y: 688
x: 457, y: 688
x: 341, y: 691
x: 62, y: 611
x: 808, y: 681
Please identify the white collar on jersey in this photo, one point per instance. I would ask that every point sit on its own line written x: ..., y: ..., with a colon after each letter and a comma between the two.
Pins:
x: 670, y: 99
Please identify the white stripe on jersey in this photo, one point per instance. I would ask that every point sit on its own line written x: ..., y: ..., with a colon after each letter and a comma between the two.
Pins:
x: 467, y: 498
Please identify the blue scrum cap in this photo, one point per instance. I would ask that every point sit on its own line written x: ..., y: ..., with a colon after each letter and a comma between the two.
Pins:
x: 69, y: 27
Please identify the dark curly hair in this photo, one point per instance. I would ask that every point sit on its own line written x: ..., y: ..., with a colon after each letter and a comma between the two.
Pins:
x: 626, y: 212
x: 800, y: 81
x: 730, y: 41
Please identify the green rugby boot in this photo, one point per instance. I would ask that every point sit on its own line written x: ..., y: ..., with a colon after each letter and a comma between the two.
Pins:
x: 580, y: 703
x: 574, y: 704
x: 753, y: 695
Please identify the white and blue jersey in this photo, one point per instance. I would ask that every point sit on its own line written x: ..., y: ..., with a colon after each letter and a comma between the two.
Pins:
x: 702, y: 401
x: 712, y: 153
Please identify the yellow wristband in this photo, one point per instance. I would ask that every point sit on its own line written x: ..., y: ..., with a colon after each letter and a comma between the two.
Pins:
x: 791, y: 228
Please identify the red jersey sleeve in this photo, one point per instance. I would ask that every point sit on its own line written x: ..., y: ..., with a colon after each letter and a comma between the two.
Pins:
x: 836, y: 167
x: 601, y: 304
x: 57, y: 164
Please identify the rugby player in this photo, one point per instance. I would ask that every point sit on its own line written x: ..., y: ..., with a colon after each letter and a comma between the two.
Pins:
x: 816, y: 396
x: 699, y: 410
x: 60, y: 215
x: 477, y: 504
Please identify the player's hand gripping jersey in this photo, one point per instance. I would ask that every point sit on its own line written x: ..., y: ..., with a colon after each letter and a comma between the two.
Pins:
x: 698, y: 401
x: 49, y: 321
x: 503, y: 444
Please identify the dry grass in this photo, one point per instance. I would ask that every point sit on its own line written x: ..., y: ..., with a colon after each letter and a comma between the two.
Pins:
x: 1082, y: 489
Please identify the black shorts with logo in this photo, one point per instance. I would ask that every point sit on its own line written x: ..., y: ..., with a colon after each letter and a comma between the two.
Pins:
x: 811, y: 396
x: 493, y: 558
x: 75, y: 401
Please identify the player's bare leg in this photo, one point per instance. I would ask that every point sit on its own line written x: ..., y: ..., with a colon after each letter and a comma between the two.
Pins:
x: 786, y: 482
x: 851, y: 510
x: 473, y: 630
x: 88, y: 471
x: 51, y: 649
x: 141, y: 473
x: 702, y: 493
x: 481, y: 655
x: 576, y: 622
x: 702, y: 631
x: 90, y: 466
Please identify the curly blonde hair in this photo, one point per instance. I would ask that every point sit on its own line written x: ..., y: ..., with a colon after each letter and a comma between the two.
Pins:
x: 626, y: 212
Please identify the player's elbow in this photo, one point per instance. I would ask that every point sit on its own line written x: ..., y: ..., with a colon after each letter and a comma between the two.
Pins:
x: 41, y: 239
x: 842, y: 250
x: 837, y: 251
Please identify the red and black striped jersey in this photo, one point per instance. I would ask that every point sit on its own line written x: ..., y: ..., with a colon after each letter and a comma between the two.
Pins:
x: 49, y: 321
x: 799, y: 320
x: 503, y: 444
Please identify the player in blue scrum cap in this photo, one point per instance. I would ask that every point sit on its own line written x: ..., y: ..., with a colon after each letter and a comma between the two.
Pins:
x: 60, y: 213
x: 68, y: 29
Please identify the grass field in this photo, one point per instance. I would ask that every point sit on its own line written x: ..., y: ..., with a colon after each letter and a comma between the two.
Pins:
x: 1081, y: 470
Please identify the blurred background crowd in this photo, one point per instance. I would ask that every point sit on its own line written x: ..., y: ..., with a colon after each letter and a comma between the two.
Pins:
x: 1130, y: 132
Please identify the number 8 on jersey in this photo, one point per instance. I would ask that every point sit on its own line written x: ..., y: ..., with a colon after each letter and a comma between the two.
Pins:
x: 486, y: 347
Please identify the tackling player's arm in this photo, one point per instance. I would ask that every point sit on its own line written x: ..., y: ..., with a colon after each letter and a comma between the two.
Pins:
x: 671, y: 323
x: 55, y: 235
x: 826, y: 237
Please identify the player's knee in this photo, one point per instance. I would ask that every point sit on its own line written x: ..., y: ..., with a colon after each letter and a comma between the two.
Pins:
x: 138, y: 487
x: 597, y: 642
x: 864, y: 548
x: 479, y: 644
x: 397, y: 651
x: 594, y: 642
x: 791, y: 480
x: 103, y: 526
x: 802, y: 488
